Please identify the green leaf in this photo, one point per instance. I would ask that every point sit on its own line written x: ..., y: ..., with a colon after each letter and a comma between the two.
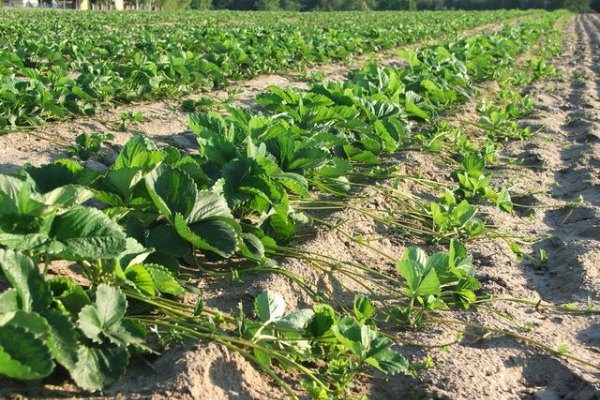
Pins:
x: 420, y: 275
x: 473, y: 164
x: 389, y: 142
x: 412, y: 109
x: 543, y: 256
x: 246, y: 183
x: 69, y: 295
x: 17, y: 196
x: 87, y: 233
x: 199, y: 307
x: 165, y: 239
x: 349, y: 332
x: 363, y: 308
x: 171, y: 190
x: 389, y: 362
x: 462, y: 213
x: 67, y: 196
x: 140, y: 277
x: 296, y: 320
x: 23, y: 354
x: 295, y: 183
x: 104, y: 319
x: 51, y: 176
x: 105, y: 315
x: 208, y: 205
x: 9, y: 301
x: 363, y: 156
x: 164, y: 281
x: 429, y: 285
x: 215, y: 137
x: 116, y: 187
x: 252, y: 247
x: 438, y: 261
x: 218, y: 235
x: 24, y: 242
x: 33, y: 291
x: 63, y: 341
x: 281, y: 227
x: 323, y: 320
x: 134, y: 253
x: 139, y: 152
x: 457, y: 254
x: 263, y: 358
x: 411, y: 272
x: 269, y: 306
x: 504, y: 201
x: 514, y: 247
x: 31, y: 321
x: 411, y: 57
x: 438, y: 217
x: 336, y: 167
x: 99, y: 367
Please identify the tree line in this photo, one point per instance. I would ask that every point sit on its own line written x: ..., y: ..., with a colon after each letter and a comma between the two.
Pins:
x: 365, y: 5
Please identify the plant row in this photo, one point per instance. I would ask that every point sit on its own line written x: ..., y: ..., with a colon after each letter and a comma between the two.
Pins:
x: 236, y: 203
x: 56, y: 65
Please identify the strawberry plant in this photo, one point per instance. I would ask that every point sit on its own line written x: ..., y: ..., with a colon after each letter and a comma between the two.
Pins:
x: 130, y: 118
x: 48, y: 322
x: 474, y: 185
x: 500, y: 123
x: 88, y: 145
x: 347, y: 343
x: 235, y: 202
x: 46, y: 76
x: 434, y: 282
x: 450, y: 218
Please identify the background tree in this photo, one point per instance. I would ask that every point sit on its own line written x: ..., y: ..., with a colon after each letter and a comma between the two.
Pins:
x: 363, y: 5
x: 290, y: 5
x: 267, y: 5
x: 200, y: 4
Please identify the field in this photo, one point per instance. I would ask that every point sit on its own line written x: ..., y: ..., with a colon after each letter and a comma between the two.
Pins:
x: 378, y: 205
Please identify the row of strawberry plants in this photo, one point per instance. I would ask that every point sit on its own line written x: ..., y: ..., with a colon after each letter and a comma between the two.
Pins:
x: 132, y: 225
x: 57, y: 65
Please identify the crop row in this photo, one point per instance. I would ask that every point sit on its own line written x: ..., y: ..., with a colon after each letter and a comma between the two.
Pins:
x: 239, y: 199
x: 57, y: 65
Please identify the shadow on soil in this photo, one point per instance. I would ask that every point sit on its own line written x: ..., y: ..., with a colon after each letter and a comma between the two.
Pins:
x: 575, y: 228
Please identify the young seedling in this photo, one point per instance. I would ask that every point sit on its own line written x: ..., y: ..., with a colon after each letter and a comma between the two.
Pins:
x: 88, y: 145
x: 129, y: 119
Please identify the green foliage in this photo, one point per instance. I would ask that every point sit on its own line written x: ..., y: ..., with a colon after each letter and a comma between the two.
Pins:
x: 88, y: 145
x: 234, y: 201
x: 130, y: 118
x: 269, y: 306
x: 344, y: 343
x: 452, y: 219
x: 500, y: 123
x: 201, y: 104
x: 580, y: 6
x: 434, y: 282
x: 149, y: 57
x: 267, y: 5
x: 474, y: 185
x: 39, y: 329
x: 200, y: 4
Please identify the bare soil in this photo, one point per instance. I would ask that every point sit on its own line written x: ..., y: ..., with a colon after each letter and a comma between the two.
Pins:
x: 553, y: 170
x: 559, y: 164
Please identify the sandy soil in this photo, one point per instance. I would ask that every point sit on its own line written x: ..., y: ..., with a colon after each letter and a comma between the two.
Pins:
x: 566, y: 153
x: 559, y: 164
